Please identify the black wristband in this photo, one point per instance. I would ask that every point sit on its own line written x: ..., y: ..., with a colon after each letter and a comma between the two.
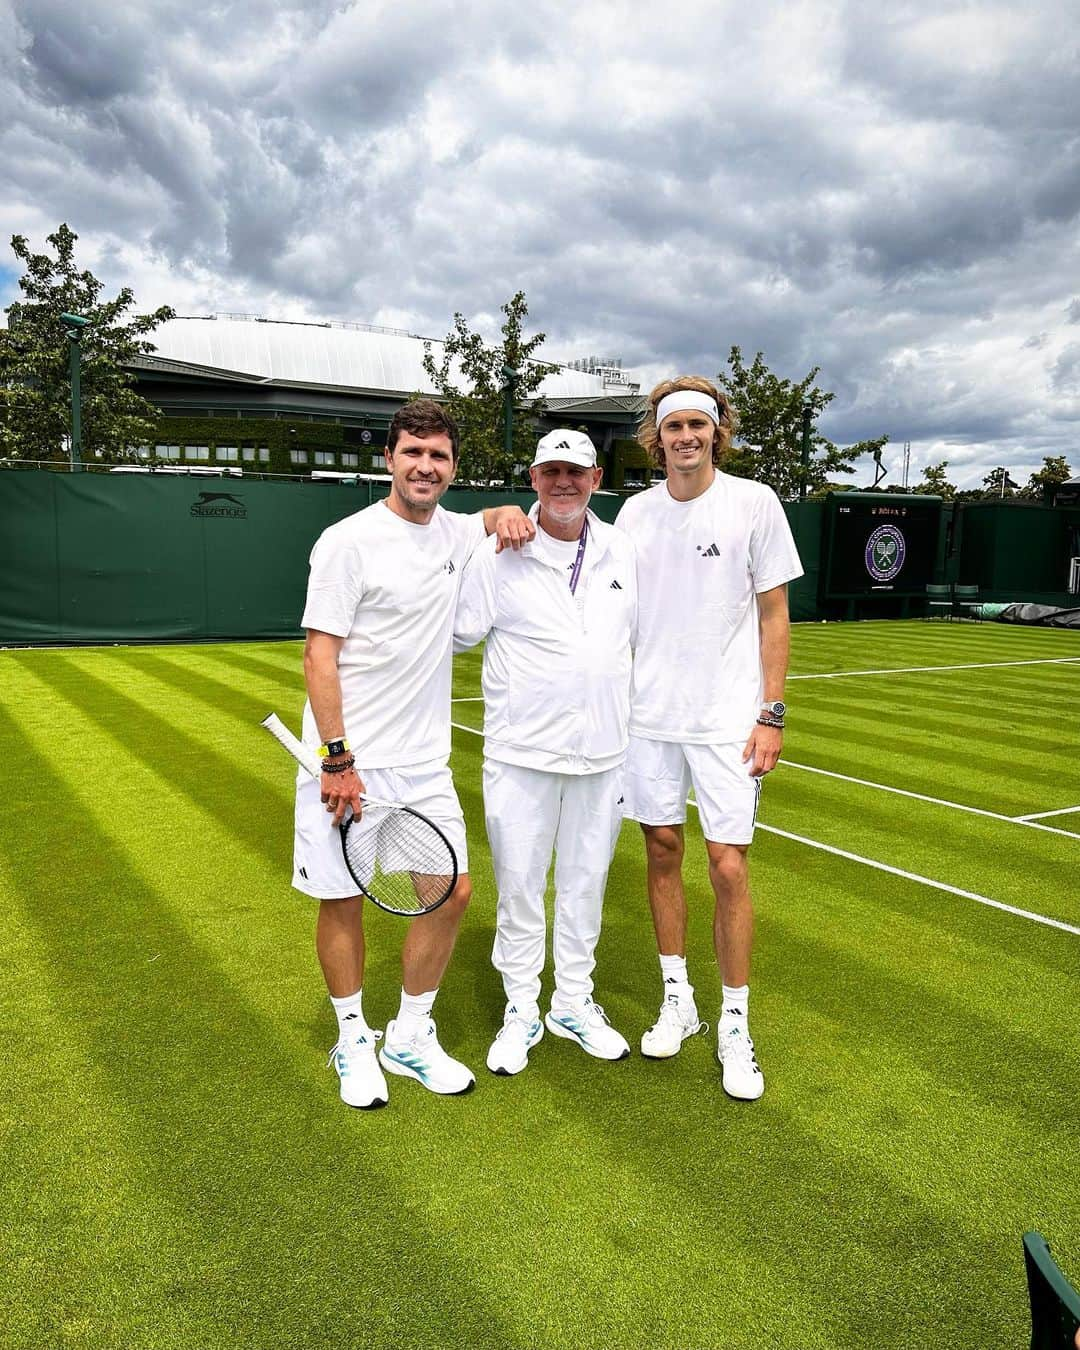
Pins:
x: 777, y: 722
x: 341, y: 767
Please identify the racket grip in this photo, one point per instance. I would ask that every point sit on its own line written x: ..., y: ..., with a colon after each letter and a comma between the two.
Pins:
x: 303, y: 754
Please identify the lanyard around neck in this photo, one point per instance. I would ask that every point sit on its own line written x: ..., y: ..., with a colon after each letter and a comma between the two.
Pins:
x: 575, y: 571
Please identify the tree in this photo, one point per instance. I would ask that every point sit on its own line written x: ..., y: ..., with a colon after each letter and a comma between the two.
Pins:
x: 35, y: 389
x: 1054, y: 472
x: 997, y: 483
x: 769, y: 439
x: 935, y: 483
x: 479, y: 409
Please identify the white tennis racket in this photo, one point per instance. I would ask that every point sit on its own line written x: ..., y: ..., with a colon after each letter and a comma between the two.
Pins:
x: 400, y: 860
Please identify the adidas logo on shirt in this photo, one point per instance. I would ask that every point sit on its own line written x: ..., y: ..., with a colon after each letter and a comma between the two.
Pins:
x: 450, y: 568
x: 711, y: 552
x: 615, y: 586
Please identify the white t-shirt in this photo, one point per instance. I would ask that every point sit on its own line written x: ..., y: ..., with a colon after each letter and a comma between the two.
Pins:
x: 700, y: 566
x: 389, y: 588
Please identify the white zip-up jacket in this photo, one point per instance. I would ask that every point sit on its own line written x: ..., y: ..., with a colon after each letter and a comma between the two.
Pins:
x: 556, y: 675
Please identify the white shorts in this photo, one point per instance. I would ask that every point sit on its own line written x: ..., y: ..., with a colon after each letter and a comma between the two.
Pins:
x: 659, y: 775
x: 318, y: 866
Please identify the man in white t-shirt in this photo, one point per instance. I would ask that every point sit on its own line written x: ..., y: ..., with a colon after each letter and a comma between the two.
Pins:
x: 379, y: 617
x: 715, y: 554
x: 558, y: 617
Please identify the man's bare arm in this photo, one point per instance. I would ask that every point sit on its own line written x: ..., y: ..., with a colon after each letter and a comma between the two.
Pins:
x: 339, y: 790
x: 765, y: 743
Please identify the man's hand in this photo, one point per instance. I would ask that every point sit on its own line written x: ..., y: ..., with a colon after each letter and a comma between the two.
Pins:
x: 763, y: 749
x: 511, y: 528
x: 340, y: 792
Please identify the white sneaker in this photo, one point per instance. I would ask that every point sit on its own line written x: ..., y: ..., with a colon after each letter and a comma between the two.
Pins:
x: 362, y: 1081
x: 678, y: 1021
x: 735, y: 1051
x: 587, y: 1024
x: 423, y: 1058
x: 509, y: 1052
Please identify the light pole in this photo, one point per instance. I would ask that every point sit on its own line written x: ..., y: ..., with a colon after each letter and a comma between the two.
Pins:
x: 807, y: 417
x: 510, y: 379
x: 74, y: 324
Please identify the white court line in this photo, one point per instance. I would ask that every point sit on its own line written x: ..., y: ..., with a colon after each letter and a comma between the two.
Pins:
x: 1038, y: 815
x: 916, y: 670
x: 895, y: 871
x: 925, y: 881
x: 938, y: 801
x: 475, y: 698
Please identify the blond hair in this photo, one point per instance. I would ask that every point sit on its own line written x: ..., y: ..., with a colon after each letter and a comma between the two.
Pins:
x: 649, y: 433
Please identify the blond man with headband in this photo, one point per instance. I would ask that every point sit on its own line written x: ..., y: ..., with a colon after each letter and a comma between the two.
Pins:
x: 714, y: 556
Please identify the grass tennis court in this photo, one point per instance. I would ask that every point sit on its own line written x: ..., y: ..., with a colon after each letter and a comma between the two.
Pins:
x: 178, y: 1170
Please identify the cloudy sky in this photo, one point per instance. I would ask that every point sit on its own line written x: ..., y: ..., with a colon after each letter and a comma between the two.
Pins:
x: 889, y: 192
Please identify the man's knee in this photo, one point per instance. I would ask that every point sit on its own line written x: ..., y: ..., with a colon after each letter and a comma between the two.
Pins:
x: 459, y: 899
x: 664, y: 846
x: 728, y: 869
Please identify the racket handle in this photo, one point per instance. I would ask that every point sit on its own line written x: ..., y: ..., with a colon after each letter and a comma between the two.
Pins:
x: 303, y: 754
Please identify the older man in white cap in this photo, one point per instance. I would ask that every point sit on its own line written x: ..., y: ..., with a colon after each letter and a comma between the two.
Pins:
x: 558, y: 616
x: 715, y: 555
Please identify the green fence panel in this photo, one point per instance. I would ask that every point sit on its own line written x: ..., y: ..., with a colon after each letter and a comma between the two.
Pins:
x: 129, y: 559
x: 807, y: 525
x: 29, y: 566
x: 1010, y: 550
x: 151, y: 557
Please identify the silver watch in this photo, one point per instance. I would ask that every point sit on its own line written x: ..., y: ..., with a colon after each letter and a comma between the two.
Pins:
x: 776, y: 709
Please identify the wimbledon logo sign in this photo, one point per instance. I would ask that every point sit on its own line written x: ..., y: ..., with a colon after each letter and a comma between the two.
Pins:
x: 885, y: 552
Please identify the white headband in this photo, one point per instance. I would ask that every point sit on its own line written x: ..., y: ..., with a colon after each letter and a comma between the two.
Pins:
x: 682, y: 401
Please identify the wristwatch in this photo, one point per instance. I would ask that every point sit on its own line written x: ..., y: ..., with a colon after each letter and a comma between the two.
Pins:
x: 776, y: 709
x: 332, y: 749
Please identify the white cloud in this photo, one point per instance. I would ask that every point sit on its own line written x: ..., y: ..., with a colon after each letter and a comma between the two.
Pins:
x: 889, y: 194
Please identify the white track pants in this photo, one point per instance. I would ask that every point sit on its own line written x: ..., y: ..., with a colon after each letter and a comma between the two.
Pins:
x: 528, y: 813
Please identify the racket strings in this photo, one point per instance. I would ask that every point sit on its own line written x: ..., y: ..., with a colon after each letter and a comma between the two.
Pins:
x: 400, y: 859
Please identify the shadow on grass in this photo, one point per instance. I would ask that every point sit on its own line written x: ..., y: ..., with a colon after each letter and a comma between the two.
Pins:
x: 238, y: 1141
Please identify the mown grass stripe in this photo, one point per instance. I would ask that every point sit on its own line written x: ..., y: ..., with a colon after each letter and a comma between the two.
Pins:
x: 1042, y: 815
x: 917, y: 670
x: 923, y: 881
x: 936, y: 801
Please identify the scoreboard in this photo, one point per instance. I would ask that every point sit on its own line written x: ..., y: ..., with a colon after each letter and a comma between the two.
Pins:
x: 880, y: 543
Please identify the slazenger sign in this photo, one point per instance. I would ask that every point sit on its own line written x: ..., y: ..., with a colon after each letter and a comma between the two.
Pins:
x: 219, y: 504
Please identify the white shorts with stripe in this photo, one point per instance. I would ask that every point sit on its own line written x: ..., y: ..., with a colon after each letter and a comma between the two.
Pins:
x: 318, y: 866
x: 660, y: 774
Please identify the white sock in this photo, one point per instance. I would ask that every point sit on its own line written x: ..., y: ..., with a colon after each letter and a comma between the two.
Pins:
x: 350, y: 1014
x: 673, y: 970
x: 413, y: 1014
x: 523, y: 1008
x: 736, y: 1002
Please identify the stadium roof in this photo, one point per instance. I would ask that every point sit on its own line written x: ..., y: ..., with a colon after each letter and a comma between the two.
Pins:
x: 344, y: 355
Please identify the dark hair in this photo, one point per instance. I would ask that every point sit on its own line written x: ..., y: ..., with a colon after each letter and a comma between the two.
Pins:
x: 649, y: 433
x: 422, y: 417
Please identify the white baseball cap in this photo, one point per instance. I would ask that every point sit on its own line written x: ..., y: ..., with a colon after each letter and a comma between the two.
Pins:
x: 569, y: 447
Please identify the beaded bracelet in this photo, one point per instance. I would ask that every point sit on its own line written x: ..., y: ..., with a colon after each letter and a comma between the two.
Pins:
x: 777, y: 722
x: 343, y: 767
